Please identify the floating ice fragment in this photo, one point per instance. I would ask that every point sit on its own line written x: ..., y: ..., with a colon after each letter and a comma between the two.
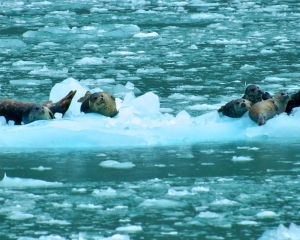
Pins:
x: 15, y: 215
x: 248, y: 222
x: 276, y: 79
x: 116, y: 237
x: 146, y: 35
x: 224, y: 202
x: 161, y: 203
x: 247, y: 67
x: 80, y: 190
x: 62, y: 205
x: 116, y: 164
x: 89, y: 61
x: 291, y: 233
x: 56, y: 222
x: 242, y: 159
x: 204, y: 107
x: 193, y: 47
x: 130, y: 229
x: 121, y: 53
x: 151, y: 70
x: 173, y: 192
x: 109, y: 192
x: 200, y: 189
x: 41, y: 168
x: 2, y: 120
x: 8, y: 182
x: 30, y: 82
x: 266, y: 214
x: 11, y: 43
x: 208, y: 215
x: 89, y: 206
x: 213, y: 16
x: 50, y: 73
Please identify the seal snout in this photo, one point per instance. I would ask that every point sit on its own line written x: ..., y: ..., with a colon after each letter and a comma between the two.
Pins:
x: 261, y: 119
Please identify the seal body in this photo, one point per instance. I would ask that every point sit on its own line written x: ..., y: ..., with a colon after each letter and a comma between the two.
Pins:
x: 262, y: 111
x: 254, y: 94
x: 235, y: 108
x: 294, y: 101
x: 36, y: 112
x: 13, y: 109
x: 101, y: 102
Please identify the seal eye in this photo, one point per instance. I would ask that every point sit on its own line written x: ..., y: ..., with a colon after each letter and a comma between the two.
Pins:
x: 95, y: 98
x: 37, y: 108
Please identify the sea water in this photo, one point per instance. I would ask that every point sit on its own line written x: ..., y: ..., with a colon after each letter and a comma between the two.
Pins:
x: 168, y: 166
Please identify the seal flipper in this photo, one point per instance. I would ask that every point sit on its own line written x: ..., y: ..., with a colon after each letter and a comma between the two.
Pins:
x: 220, y: 111
x: 85, y: 97
x: 61, y: 106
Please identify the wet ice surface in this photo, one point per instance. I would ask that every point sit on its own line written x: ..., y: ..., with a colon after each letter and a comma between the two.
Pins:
x: 194, y: 56
x: 190, y: 192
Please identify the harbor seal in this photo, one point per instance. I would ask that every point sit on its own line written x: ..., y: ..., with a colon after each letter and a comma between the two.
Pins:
x: 36, y: 112
x: 254, y: 94
x: 262, y: 111
x: 13, y: 109
x: 101, y: 102
x: 293, y: 102
x: 235, y: 108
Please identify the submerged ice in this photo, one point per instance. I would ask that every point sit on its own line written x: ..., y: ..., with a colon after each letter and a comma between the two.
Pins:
x: 140, y: 122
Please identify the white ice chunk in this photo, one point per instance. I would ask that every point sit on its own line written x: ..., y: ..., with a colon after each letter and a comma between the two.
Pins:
x: 116, y: 164
x: 2, y: 120
x: 44, y: 71
x: 208, y: 215
x: 130, y: 229
x: 266, y: 214
x: 242, y: 159
x: 90, y: 61
x: 41, y: 168
x: 11, y: 43
x: 8, y: 182
x: 146, y: 35
x: 30, y: 82
x: 16, y: 215
x: 61, y: 89
x: 291, y: 233
x: 109, y: 192
x: 161, y: 203
x: 248, y: 222
x: 224, y: 202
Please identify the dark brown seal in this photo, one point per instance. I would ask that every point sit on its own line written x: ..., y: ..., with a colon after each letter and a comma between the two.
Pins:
x: 254, y: 94
x: 235, y: 108
x: 36, y: 112
x: 293, y: 102
x: 13, y: 110
x: 262, y: 111
x: 101, y: 102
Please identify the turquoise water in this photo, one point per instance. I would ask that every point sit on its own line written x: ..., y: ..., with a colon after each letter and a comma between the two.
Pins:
x: 196, y: 56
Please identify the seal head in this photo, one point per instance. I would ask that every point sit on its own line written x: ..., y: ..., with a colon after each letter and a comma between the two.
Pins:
x: 101, y: 102
x: 36, y: 112
x: 235, y: 108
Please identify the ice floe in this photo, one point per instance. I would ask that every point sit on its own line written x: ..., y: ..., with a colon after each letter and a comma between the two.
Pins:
x: 140, y: 122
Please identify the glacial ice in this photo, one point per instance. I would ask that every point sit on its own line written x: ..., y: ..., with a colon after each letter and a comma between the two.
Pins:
x: 291, y: 233
x: 140, y: 122
x: 10, y: 182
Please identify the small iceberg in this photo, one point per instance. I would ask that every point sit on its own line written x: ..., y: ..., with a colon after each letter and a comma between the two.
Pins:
x: 10, y: 182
